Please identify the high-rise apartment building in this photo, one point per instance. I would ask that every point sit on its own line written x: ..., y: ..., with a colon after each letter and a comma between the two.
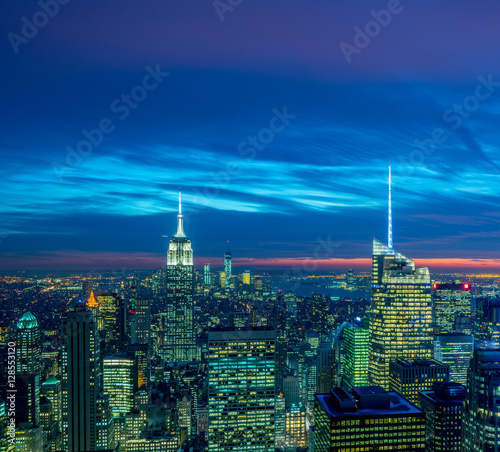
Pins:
x: 452, y: 305
x: 443, y: 412
x: 455, y: 350
x: 241, y: 391
x: 356, y: 354
x: 367, y: 419
x: 480, y: 427
x: 401, y: 312
x: 179, y: 338
x: 408, y: 378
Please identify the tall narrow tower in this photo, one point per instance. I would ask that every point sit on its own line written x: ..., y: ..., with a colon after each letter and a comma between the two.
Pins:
x: 227, y: 265
x: 179, y: 338
x: 401, y: 309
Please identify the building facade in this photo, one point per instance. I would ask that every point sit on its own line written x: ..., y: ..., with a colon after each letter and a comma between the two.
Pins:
x: 241, y: 389
x: 401, y: 312
x: 367, y: 419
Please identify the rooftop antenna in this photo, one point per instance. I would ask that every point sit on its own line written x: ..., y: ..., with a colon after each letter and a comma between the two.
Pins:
x: 389, y: 238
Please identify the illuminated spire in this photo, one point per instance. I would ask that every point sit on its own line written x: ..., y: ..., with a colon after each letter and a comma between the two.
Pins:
x: 389, y: 239
x: 180, y: 220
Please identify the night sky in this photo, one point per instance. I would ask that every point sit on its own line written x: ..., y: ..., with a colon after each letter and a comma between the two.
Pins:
x: 314, y: 188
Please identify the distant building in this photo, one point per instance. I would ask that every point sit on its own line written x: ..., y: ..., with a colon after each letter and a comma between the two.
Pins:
x: 401, y: 312
x: 368, y: 418
x: 245, y: 277
x: 207, y: 276
x: 241, y: 389
x: 443, y: 411
x: 228, y: 264
x: 408, y: 378
x: 455, y: 350
x: 452, y: 304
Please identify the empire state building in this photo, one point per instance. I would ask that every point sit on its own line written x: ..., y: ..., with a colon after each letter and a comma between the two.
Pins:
x: 179, y: 338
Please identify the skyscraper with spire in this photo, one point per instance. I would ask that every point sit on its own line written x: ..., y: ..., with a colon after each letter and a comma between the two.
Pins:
x: 179, y: 338
x: 228, y: 265
x: 401, y: 309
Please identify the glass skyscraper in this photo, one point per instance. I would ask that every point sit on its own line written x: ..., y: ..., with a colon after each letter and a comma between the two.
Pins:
x: 241, y: 392
x: 401, y: 312
x: 455, y: 350
x: 356, y: 352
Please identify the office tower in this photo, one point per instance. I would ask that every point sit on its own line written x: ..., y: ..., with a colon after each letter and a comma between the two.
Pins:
x: 28, y: 374
x: 51, y: 389
x: 296, y: 430
x: 480, y: 429
x: 408, y: 378
x: 88, y: 417
x: 207, y: 276
x: 141, y: 354
x: 292, y: 390
x: 319, y: 312
x: 119, y: 377
x: 241, y: 389
x: 245, y: 277
x: 487, y: 324
x: 310, y: 381
x: 401, y: 312
x: 326, y: 367
x: 48, y: 423
x: 279, y: 421
x: 28, y: 346
x: 228, y: 264
x: 356, y: 354
x: 367, y: 419
x: 455, y: 350
x: 179, y: 340
x: 141, y: 329
x: 452, y: 304
x: 443, y: 416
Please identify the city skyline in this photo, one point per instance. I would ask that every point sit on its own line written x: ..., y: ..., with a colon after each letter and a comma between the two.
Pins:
x: 327, y: 117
